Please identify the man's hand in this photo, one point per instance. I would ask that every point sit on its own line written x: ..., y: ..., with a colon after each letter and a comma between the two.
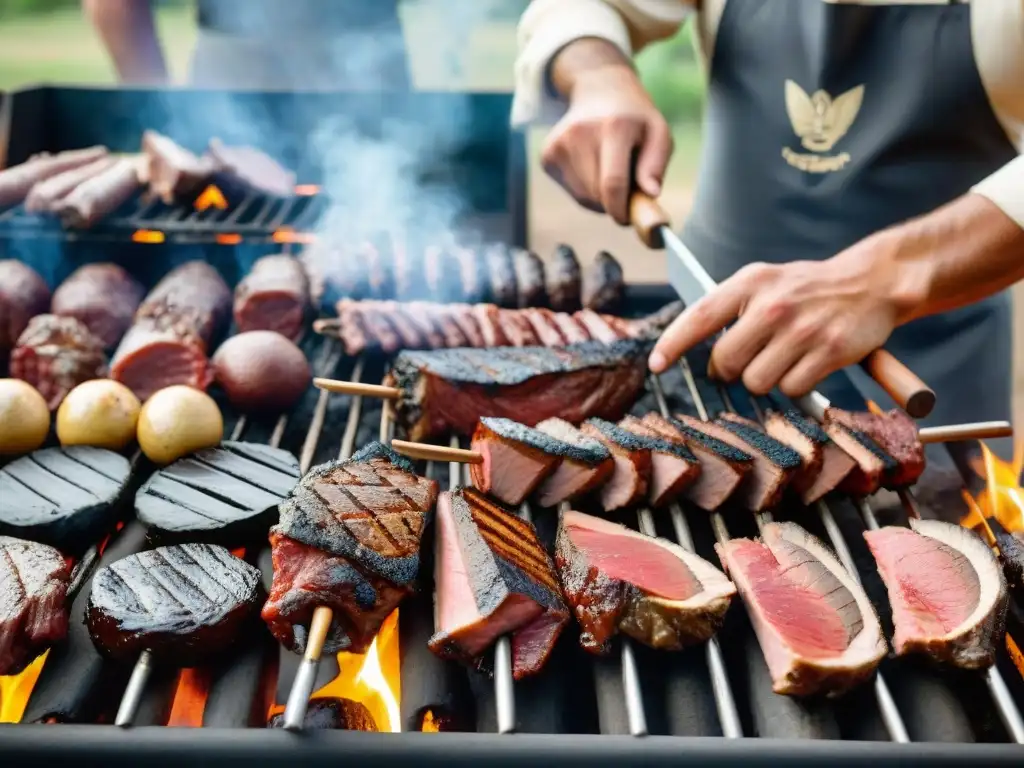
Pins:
x: 798, y: 322
x: 590, y: 151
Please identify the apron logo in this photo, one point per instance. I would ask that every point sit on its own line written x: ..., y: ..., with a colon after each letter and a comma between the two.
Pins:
x: 820, y: 121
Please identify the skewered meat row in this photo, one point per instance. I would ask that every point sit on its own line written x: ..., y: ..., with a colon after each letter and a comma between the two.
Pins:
x: 104, y: 297
x: 55, y: 354
x: 389, y: 326
x: 274, y: 296
x: 451, y: 389
x: 34, y: 582
x: 23, y: 295
x: 173, y: 330
x: 16, y: 181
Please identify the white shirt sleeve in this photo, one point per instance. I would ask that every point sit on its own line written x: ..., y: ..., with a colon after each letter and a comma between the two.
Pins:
x: 1005, y: 188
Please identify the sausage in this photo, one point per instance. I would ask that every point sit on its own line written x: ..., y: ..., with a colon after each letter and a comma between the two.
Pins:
x: 171, y: 170
x: 100, y: 195
x: 172, y: 331
x: 604, y: 288
x: 16, y: 181
x: 23, y: 295
x: 56, y: 354
x: 564, y: 280
x: 45, y: 194
x: 274, y: 296
x: 102, y: 296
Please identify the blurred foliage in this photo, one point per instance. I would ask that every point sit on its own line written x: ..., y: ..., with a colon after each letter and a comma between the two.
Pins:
x: 673, y: 76
x: 23, y: 7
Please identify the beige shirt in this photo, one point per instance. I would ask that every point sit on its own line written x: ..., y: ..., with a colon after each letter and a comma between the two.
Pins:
x: 547, y: 26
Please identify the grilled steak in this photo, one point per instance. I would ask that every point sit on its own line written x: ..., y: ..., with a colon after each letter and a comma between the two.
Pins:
x: 895, y: 433
x: 453, y: 389
x: 632, y: 472
x: 604, y: 287
x: 274, y: 296
x: 253, y: 168
x: 824, y: 464
x: 871, y: 462
x: 516, y: 459
x: 101, y: 296
x: 23, y: 295
x: 370, y: 509
x: 100, y: 195
x: 493, y: 577
x: 306, y: 577
x: 674, y: 468
x: 722, y: 467
x: 332, y: 714
x: 46, y: 194
x: 184, y: 604
x: 529, y: 279
x: 170, y: 170
x: 16, y: 181
x: 55, y: 354
x: 947, y: 591
x: 564, y: 280
x: 775, y: 463
x: 65, y: 497
x: 586, y: 464
x: 502, y: 276
x: 616, y: 579
x: 33, y: 586
x: 225, y: 495
x: 817, y: 629
x: 1011, y: 556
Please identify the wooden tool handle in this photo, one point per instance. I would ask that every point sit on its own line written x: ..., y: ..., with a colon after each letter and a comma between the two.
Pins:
x: 436, y: 452
x: 648, y: 217
x: 902, y: 384
x: 982, y: 430
x: 318, y: 629
x: 356, y: 388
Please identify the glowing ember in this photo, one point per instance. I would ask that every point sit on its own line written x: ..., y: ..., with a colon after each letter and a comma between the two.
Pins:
x: 190, y: 698
x: 288, y: 235
x: 16, y: 689
x: 429, y: 724
x: 151, y: 236
x: 228, y: 239
x: 307, y: 190
x: 211, y: 197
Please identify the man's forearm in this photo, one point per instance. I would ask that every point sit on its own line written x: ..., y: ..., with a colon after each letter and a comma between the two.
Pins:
x: 129, y: 33
x: 583, y: 57
x: 961, y: 253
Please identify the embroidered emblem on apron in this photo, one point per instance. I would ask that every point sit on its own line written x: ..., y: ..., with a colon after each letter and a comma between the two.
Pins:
x: 820, y: 121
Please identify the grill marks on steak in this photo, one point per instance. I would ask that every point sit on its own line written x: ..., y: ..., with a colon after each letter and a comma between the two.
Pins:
x: 371, y: 509
x: 493, y: 577
x: 632, y: 464
x: 55, y: 354
x: 674, y: 468
x: 824, y: 465
x: 586, y: 464
x: 947, y: 591
x: 306, y: 577
x: 453, y: 389
x: 183, y: 603
x: 616, y: 579
x: 34, y: 581
x: 516, y: 459
x: 816, y: 627
x: 895, y: 434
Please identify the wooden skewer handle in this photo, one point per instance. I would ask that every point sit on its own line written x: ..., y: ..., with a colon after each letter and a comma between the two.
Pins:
x: 648, y: 217
x: 318, y: 629
x: 327, y: 326
x: 981, y: 430
x: 436, y: 452
x: 355, y: 388
x: 902, y: 384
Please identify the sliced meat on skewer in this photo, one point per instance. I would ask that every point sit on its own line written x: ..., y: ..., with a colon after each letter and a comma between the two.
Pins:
x: 44, y: 195
x: 586, y: 464
x: 596, y: 325
x: 722, y: 467
x: 571, y: 329
x: 824, y: 465
x: 516, y: 459
x: 632, y: 474
x: 488, y: 318
x: 34, y: 582
x: 16, y: 181
x: 674, y: 467
x: 56, y: 354
x: 170, y: 170
x: 274, y: 296
x: 529, y: 271
x: 100, y: 195
x: 604, y: 287
x: 23, y: 295
x: 895, y: 433
x: 616, y: 579
x: 947, y: 591
x: 544, y: 327
x: 466, y: 322
x: 564, y: 280
x: 502, y: 276
x: 871, y: 462
x: 493, y: 577
x: 817, y: 629
x: 518, y: 329
x: 102, y: 296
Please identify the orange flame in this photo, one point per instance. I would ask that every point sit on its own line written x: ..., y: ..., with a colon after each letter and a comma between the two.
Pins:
x: 190, y: 698
x: 289, y: 235
x: 151, y: 236
x: 429, y: 724
x: 307, y: 190
x: 1003, y: 497
x: 16, y: 689
x: 211, y: 197
x: 229, y: 238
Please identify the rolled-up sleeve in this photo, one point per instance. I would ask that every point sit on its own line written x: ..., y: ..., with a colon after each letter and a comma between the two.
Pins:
x: 1005, y: 188
x: 547, y: 26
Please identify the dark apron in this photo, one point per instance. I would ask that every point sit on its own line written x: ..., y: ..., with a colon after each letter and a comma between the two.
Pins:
x: 884, y: 118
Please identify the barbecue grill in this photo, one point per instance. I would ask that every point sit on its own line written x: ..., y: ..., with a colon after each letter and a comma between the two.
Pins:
x: 709, y: 705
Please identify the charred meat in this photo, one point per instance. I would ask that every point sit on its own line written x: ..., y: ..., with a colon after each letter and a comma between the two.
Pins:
x: 529, y: 271
x: 330, y: 713
x: 55, y: 354
x: 674, y: 467
x: 493, y: 577
x: 632, y: 471
x: 452, y: 389
x: 101, y: 296
x: 947, y: 591
x: 586, y: 464
x: 564, y: 280
x: 823, y: 464
x: 895, y: 433
x: 816, y: 627
x: 604, y: 287
x: 23, y: 295
x: 502, y: 276
x: 184, y: 604
x: 616, y: 579
x: 516, y: 459
x: 774, y: 463
x: 871, y: 462
x: 34, y: 582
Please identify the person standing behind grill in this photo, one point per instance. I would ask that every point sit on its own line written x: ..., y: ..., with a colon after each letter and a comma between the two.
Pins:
x: 828, y: 124
x: 339, y: 45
